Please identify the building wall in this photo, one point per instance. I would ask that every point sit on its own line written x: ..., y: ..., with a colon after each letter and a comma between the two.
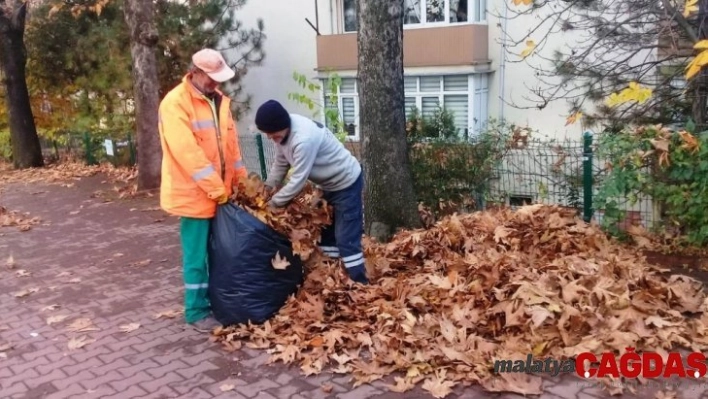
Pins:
x: 289, y: 47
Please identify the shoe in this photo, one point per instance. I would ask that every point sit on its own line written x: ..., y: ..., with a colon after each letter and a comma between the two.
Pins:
x: 207, y: 324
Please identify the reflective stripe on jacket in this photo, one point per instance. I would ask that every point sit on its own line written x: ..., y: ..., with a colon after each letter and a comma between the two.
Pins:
x: 201, y: 158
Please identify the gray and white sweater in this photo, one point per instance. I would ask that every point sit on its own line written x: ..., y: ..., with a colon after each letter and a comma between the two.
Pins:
x: 315, y: 154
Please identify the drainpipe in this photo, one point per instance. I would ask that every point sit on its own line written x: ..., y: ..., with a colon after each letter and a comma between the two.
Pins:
x: 502, y: 65
x: 331, y: 17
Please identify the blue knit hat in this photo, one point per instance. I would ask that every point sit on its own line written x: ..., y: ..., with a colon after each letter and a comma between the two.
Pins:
x: 271, y: 117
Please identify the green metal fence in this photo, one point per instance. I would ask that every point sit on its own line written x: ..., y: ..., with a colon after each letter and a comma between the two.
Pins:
x: 118, y: 149
x: 566, y: 173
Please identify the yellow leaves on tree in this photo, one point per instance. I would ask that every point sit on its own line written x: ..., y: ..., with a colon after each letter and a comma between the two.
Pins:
x: 77, y: 9
x: 634, y: 92
x: 690, y: 7
x: 573, y: 118
x: 520, y: 2
x: 699, y: 61
x: 530, y: 46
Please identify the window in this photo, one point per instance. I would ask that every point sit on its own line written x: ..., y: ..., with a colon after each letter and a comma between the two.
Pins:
x: 347, y: 105
x: 350, y: 18
x: 428, y: 94
x: 465, y: 96
x: 421, y: 12
x: 481, y: 103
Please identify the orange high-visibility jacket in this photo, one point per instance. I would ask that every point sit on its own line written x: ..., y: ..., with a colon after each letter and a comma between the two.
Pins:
x: 201, y: 158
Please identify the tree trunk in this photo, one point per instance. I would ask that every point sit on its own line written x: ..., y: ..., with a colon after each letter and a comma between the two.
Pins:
x: 139, y: 16
x: 26, y: 150
x: 389, y: 197
x: 700, y: 83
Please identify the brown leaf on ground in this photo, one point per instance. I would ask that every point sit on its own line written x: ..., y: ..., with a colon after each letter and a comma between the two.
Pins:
x: 56, y: 319
x: 227, y: 387
x: 666, y: 395
x: 78, y: 343
x: 82, y: 325
x: 26, y: 292
x: 169, y: 314
x: 23, y: 273
x: 140, y: 263
x: 127, y: 328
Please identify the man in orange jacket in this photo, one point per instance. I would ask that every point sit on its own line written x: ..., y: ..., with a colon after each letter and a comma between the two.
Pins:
x: 200, y: 166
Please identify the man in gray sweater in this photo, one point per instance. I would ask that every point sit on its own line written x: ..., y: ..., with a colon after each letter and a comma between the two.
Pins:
x: 315, y: 154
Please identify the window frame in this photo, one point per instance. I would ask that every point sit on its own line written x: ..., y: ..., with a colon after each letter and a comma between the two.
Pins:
x: 477, y: 93
x: 340, y: 104
x: 472, y: 16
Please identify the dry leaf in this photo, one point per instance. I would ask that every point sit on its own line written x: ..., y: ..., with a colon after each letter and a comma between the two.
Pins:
x: 64, y: 274
x: 10, y: 263
x: 169, y: 314
x: 666, y: 395
x: 126, y: 328
x: 22, y: 273
x: 227, y: 387
x: 78, y: 343
x: 24, y: 293
x: 280, y: 263
x: 49, y: 308
x: 327, y: 388
x: 141, y: 263
x: 82, y: 325
x: 75, y: 280
x: 5, y: 346
x: 438, y: 386
x: 56, y: 319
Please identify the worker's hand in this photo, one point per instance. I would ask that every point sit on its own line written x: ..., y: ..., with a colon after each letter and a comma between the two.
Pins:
x: 222, y: 199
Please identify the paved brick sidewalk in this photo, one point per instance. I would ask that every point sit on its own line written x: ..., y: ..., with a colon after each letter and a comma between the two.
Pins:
x: 88, y: 257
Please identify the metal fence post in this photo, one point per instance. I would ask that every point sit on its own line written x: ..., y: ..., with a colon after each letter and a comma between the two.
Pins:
x: 587, y: 176
x: 261, y: 156
x: 131, y: 148
x: 89, y: 151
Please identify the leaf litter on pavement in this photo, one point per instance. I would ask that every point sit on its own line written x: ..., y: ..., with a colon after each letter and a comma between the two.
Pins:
x: 447, y: 301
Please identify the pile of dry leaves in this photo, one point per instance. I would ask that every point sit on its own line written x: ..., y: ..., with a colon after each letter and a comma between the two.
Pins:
x: 16, y: 219
x: 301, y: 220
x: 72, y: 171
x: 447, y: 301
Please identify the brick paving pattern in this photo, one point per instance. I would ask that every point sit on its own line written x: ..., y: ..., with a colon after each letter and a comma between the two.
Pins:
x: 86, y: 258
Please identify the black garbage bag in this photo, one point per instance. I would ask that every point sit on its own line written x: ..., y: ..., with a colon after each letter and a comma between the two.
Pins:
x: 243, y: 284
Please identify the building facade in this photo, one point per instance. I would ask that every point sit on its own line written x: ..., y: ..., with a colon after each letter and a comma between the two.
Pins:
x: 453, y: 58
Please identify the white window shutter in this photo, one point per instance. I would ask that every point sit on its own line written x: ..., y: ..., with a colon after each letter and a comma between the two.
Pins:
x: 349, y: 115
x: 458, y: 105
x: 430, y: 105
x: 430, y: 83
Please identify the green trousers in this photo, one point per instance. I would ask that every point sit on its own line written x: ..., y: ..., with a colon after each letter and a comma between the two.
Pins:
x: 194, y: 235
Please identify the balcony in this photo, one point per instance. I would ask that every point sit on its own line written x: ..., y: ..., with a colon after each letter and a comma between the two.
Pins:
x: 423, y: 47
